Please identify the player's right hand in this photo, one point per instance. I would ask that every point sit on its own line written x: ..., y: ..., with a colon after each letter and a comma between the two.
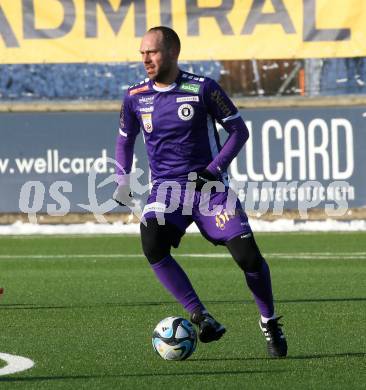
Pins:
x: 123, y: 195
x: 203, y: 178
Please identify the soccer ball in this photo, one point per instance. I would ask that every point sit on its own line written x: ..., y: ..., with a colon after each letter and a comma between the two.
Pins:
x: 174, y: 338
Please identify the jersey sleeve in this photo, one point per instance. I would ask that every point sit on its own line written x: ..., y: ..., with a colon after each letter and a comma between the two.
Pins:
x: 129, y: 127
x: 219, y: 105
x: 222, y: 109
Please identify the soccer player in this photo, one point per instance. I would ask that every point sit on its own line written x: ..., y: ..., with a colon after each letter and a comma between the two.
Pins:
x: 177, y: 111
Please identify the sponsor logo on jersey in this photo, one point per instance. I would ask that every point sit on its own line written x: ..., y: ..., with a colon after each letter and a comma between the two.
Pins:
x: 155, y: 206
x: 138, y: 90
x: 185, y: 112
x: 146, y: 109
x: 147, y: 122
x: 217, y: 97
x: 188, y: 99
x: 189, y: 87
x: 146, y: 100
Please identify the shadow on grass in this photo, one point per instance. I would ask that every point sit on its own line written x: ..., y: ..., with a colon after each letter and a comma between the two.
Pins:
x: 140, y: 375
x: 30, y: 306
x: 299, y: 357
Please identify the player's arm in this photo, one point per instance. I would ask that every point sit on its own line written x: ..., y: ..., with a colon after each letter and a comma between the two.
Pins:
x: 224, y: 111
x: 128, y: 129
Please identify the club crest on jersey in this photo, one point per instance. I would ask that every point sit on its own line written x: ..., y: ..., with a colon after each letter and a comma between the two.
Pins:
x: 185, y: 112
x: 147, y: 122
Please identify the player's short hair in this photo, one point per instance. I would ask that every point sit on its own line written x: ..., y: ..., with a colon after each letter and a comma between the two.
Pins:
x: 170, y: 37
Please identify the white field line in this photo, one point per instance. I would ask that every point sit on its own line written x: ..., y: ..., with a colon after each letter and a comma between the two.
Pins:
x: 14, y: 364
x: 300, y: 255
x: 90, y: 228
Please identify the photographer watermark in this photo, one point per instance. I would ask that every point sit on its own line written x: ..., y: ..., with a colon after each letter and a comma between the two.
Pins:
x: 171, y: 196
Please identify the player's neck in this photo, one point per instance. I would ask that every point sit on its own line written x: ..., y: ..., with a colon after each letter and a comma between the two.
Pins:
x: 168, y: 79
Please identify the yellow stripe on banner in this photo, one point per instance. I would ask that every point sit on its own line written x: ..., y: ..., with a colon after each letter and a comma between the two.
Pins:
x: 57, y: 31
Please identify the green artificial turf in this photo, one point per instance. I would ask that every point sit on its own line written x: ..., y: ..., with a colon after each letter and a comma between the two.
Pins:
x: 83, y: 309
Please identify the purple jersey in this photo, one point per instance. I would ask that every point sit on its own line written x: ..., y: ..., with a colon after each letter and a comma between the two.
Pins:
x: 178, y: 124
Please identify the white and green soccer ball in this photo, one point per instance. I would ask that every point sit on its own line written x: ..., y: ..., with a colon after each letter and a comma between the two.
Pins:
x: 174, y: 338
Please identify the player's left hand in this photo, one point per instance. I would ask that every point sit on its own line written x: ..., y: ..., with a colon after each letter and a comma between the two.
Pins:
x: 203, y: 178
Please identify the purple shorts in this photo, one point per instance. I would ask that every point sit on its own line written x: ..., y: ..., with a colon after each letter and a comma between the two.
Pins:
x: 218, y: 215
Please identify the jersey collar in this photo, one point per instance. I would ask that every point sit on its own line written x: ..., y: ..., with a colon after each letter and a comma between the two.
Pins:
x: 169, y: 87
x: 164, y: 89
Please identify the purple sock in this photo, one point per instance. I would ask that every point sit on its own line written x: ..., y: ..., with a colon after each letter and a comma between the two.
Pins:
x: 259, y: 284
x: 175, y: 280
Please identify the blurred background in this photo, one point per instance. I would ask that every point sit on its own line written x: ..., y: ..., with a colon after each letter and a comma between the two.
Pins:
x: 88, y: 49
x: 240, y: 78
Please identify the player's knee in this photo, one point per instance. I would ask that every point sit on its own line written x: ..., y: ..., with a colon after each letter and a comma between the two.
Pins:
x: 246, y: 253
x: 154, y: 244
x: 157, y: 240
x: 250, y: 262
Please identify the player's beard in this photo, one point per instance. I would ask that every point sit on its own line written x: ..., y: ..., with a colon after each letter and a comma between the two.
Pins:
x: 162, y: 75
x: 164, y: 71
